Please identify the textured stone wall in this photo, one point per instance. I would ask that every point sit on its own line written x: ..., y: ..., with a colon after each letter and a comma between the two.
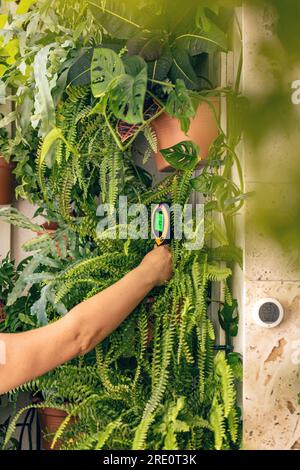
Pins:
x: 271, y: 357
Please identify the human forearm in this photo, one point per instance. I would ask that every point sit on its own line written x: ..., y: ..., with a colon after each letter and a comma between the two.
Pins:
x: 97, y: 317
x: 32, y: 353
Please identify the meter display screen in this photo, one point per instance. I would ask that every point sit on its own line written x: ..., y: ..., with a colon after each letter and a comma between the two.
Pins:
x: 159, y: 222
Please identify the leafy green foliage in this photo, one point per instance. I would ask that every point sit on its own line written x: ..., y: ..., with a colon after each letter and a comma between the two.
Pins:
x: 106, y: 66
x: 129, y: 392
x: 171, y: 40
x: 182, y: 156
x: 229, y: 318
x: 16, y: 317
x: 179, y: 104
x: 171, y: 425
x: 128, y: 95
x: 119, y: 20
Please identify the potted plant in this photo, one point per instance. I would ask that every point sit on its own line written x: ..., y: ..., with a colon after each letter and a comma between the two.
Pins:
x: 6, y: 173
x: 50, y: 421
x: 158, y: 65
x: 203, y: 131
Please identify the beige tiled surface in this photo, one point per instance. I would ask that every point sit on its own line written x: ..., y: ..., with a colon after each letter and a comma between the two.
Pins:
x: 271, y: 385
x: 265, y: 258
x: 275, y: 159
x: 272, y: 370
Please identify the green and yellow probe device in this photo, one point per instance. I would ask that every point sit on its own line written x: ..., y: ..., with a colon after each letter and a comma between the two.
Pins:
x: 161, y: 224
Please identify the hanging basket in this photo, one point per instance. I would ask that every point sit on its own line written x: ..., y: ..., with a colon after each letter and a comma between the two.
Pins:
x: 203, y: 131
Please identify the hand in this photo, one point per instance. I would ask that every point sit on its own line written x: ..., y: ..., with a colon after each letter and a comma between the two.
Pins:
x: 158, y: 265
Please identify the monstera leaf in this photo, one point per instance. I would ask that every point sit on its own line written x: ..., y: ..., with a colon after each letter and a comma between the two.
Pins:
x: 126, y: 99
x: 182, y: 156
x: 106, y: 67
x: 180, y: 105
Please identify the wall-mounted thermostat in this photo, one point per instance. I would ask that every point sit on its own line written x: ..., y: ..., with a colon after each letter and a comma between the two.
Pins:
x: 268, y: 313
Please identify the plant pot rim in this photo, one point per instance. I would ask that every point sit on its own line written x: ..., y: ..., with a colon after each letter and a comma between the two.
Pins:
x: 52, y: 411
x: 5, y: 164
x: 166, y: 116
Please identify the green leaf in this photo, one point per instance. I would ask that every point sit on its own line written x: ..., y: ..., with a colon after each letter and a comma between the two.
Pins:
x: 216, y: 419
x: 14, y: 217
x: 24, y: 6
x: 10, y: 117
x: 218, y: 273
x: 202, y: 21
x: 103, y: 436
x: 37, y: 243
x: 39, y: 308
x: 159, y: 68
x: 43, y: 103
x: 127, y: 97
x: 119, y: 19
x: 26, y: 319
x: 236, y: 363
x: 182, y: 156
x: 3, y: 20
x: 199, y: 41
x: 79, y: 72
x: 182, y: 68
x: 179, y: 105
x: 48, y: 142
x: 229, y: 318
x: 228, y: 253
x: 207, y: 183
x: 106, y: 67
x: 148, y: 45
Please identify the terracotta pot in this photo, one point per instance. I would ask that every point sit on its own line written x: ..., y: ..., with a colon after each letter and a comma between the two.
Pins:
x: 6, y: 182
x: 2, y: 312
x: 50, y: 228
x: 50, y: 420
x: 203, y: 131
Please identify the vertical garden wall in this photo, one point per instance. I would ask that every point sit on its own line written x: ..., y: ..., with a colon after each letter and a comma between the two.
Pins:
x: 85, y: 79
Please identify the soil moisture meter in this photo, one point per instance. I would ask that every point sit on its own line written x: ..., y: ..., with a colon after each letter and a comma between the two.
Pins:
x: 161, y: 224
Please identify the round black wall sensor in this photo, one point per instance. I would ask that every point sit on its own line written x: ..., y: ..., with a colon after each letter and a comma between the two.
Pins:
x: 268, y: 313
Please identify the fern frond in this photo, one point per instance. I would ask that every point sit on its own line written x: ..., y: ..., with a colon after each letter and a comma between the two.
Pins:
x: 217, y: 422
x: 217, y: 273
x: 223, y: 370
x: 151, y: 138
